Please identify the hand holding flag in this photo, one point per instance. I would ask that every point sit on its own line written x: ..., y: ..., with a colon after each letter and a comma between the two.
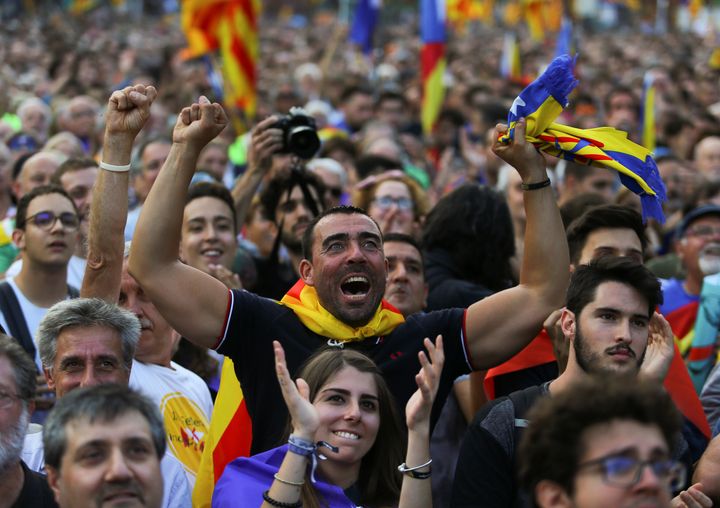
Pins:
x: 520, y: 153
x: 541, y: 103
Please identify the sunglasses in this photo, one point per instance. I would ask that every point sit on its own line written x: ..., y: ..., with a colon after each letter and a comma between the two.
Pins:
x: 46, y: 220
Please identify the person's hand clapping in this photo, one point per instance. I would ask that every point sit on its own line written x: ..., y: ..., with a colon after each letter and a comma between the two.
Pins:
x: 305, y: 420
x: 198, y: 124
x: 419, y: 407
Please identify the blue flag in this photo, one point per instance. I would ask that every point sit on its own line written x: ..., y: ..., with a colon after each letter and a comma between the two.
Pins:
x: 366, y: 17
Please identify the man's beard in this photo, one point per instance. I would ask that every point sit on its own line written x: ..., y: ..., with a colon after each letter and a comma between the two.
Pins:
x: 11, y: 441
x: 590, y: 361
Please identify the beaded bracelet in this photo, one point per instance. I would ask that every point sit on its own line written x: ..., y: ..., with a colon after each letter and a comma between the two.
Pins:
x: 280, y: 504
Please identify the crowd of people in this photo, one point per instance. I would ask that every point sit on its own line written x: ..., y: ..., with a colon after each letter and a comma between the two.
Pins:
x: 414, y: 319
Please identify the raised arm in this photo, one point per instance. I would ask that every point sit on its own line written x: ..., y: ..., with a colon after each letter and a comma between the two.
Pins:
x: 193, y: 302
x: 264, y: 142
x: 416, y: 491
x: 501, y: 325
x: 127, y: 111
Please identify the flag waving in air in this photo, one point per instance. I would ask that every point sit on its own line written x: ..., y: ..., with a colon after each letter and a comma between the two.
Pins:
x: 230, y: 26
x: 541, y: 103
x: 432, y: 60
x: 366, y: 17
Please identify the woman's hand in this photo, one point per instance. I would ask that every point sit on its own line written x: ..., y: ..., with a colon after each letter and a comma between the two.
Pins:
x: 417, y: 411
x: 305, y: 420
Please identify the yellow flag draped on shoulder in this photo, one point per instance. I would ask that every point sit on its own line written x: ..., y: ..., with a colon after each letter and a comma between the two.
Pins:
x: 303, y: 300
x: 543, y: 101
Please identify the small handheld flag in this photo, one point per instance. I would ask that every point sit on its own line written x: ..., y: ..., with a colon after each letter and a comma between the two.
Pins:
x: 543, y: 101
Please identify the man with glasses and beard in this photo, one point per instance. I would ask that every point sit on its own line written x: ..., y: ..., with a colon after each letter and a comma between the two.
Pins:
x: 19, y: 486
x: 610, y: 324
x: 606, y: 442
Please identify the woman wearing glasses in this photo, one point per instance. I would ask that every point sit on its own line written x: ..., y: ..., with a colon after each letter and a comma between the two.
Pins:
x: 396, y: 202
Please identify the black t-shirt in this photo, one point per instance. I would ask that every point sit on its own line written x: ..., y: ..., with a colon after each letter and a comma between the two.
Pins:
x: 254, y: 322
x: 35, y: 491
x: 274, y: 278
x: 485, y: 473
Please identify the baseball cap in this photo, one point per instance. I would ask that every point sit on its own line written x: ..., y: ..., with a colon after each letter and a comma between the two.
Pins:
x: 694, y: 214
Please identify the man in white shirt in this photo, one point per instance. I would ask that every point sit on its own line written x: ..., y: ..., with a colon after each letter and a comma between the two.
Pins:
x: 87, y: 342
x: 46, y: 232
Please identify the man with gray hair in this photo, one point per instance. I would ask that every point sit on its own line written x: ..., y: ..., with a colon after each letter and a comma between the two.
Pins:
x: 19, y: 486
x: 87, y: 342
x: 35, y: 117
x: 104, y: 445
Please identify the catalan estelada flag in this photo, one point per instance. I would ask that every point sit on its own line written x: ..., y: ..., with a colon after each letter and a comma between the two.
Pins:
x: 714, y: 60
x: 679, y: 381
x: 702, y: 355
x: 432, y: 60
x: 510, y: 65
x: 364, y: 22
x: 229, y: 437
x: 648, y: 113
x: 533, y: 10
x: 80, y: 6
x: 460, y: 12
x: 230, y: 26
x: 541, y: 103
x: 564, y: 41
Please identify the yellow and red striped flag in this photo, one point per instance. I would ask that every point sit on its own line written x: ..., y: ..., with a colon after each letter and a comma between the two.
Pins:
x: 432, y: 60
x: 230, y: 26
x: 648, y: 113
x: 460, y: 12
x: 80, y: 6
x: 229, y: 437
x: 534, y: 18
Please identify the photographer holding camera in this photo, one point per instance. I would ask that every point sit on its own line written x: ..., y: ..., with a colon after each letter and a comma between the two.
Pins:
x: 289, y: 195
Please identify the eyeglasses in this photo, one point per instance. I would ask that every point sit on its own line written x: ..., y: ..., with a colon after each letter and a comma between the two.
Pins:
x: 7, y: 399
x: 46, y: 220
x: 623, y: 471
x: 385, y: 202
x: 703, y: 231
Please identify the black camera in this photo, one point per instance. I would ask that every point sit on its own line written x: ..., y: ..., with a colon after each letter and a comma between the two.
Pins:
x: 299, y: 133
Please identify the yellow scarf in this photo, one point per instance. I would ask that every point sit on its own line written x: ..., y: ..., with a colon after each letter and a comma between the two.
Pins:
x: 303, y: 300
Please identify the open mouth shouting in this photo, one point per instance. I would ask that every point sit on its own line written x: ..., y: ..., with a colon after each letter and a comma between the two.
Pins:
x: 355, y: 287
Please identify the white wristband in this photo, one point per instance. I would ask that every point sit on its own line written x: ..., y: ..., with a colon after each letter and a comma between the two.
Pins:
x: 114, y: 168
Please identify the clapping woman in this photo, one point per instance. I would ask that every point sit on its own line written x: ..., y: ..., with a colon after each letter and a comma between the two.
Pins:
x: 346, y: 444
